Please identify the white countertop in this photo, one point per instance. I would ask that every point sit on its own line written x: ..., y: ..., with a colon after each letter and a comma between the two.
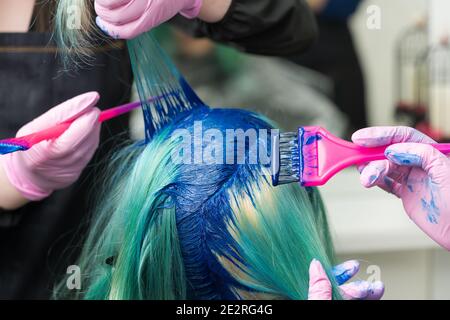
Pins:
x: 368, y: 220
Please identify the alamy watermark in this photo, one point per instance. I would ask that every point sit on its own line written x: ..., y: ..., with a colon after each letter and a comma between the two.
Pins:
x: 73, y: 281
x: 215, y: 146
x: 374, y: 273
x: 73, y: 21
x: 373, y: 21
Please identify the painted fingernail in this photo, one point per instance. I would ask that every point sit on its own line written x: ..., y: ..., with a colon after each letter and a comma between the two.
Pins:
x: 316, y: 267
x: 345, y: 271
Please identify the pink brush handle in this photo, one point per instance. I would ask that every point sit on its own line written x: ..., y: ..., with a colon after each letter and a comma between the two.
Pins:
x: 373, y: 154
x: 118, y: 111
x: 56, y: 131
x: 443, y: 147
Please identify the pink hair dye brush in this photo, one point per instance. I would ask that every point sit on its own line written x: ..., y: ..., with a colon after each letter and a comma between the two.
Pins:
x: 26, y: 142
x: 312, y: 156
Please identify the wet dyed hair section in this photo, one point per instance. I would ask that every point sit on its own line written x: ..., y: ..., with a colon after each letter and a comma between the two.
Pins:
x: 156, y: 76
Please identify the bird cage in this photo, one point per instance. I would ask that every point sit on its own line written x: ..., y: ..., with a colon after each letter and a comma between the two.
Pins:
x: 439, y: 106
x: 412, y: 76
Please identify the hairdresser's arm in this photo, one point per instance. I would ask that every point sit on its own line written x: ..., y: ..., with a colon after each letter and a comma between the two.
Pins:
x: 213, y: 11
x: 51, y: 165
x: 415, y: 172
x: 127, y: 19
x: 267, y: 27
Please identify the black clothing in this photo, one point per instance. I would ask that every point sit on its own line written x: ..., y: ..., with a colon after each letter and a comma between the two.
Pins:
x: 335, y: 56
x: 35, y: 239
x: 267, y: 27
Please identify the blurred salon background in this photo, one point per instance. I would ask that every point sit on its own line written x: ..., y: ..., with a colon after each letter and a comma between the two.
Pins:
x: 377, y: 62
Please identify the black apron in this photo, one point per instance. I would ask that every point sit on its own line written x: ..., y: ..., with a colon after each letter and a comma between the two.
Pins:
x: 38, y: 242
x: 334, y: 55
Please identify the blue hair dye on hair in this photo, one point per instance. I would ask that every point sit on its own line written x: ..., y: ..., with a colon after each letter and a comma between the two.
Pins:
x: 202, y: 205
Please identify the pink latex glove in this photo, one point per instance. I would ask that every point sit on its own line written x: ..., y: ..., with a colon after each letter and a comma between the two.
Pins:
x: 416, y: 172
x: 320, y: 286
x: 52, y: 165
x: 126, y: 19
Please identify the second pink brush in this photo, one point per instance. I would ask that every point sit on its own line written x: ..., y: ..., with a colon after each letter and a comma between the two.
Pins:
x: 26, y: 142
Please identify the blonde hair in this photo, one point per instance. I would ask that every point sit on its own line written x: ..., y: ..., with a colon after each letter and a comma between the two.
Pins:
x: 75, y: 30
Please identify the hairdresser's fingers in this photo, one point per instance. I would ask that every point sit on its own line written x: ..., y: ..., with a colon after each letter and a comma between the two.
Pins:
x: 65, y: 111
x: 424, y: 156
x: 345, y: 271
x: 121, y: 15
x: 84, y: 151
x: 319, y: 284
x: 391, y: 186
x: 382, y: 136
x: 362, y: 290
x: 388, y: 185
x: 84, y: 131
x: 112, y: 4
x: 372, y: 173
x: 376, y: 171
x: 384, y: 174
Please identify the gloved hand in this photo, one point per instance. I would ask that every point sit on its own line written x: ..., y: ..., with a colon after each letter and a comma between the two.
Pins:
x: 320, y: 286
x: 415, y: 172
x: 126, y: 19
x: 52, y: 165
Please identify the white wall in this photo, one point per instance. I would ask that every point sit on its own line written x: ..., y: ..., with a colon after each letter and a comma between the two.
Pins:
x: 376, y: 49
x: 439, y: 19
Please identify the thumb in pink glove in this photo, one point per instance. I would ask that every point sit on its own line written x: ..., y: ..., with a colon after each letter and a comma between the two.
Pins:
x: 415, y: 172
x: 319, y: 285
x: 126, y: 19
x: 52, y: 165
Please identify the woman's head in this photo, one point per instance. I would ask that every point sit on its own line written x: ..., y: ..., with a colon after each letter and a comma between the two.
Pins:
x: 171, y: 229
